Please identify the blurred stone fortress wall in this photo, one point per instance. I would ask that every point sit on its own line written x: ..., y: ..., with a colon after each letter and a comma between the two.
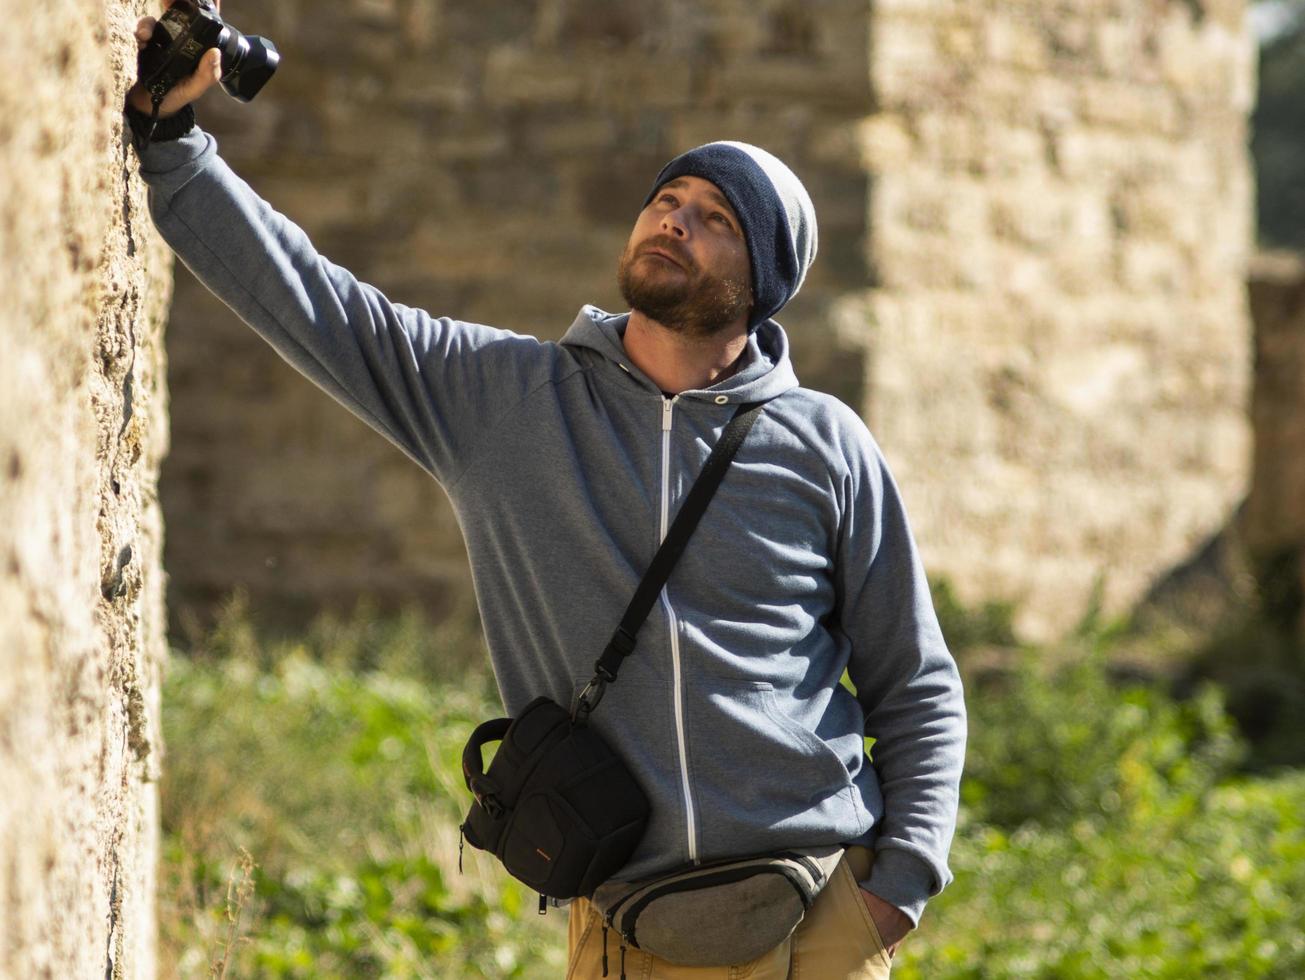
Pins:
x: 1061, y: 223
x: 83, y: 427
x: 1035, y: 224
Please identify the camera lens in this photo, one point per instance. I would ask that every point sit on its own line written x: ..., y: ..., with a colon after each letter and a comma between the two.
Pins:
x: 234, y: 47
x: 247, y: 64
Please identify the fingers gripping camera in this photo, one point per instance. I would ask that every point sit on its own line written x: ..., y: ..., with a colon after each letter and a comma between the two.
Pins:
x: 184, y: 33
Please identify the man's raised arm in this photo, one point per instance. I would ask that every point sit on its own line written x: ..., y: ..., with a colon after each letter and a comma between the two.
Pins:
x: 433, y: 387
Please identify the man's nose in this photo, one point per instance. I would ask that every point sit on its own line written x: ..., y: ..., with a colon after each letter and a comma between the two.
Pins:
x: 676, y: 223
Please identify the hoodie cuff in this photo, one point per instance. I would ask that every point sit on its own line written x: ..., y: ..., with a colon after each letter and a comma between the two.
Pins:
x: 169, y: 165
x: 173, y: 127
x: 901, y: 879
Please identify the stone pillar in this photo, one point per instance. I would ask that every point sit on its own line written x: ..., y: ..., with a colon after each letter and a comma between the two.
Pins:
x: 82, y: 431
x: 1059, y: 338
x: 1275, y: 511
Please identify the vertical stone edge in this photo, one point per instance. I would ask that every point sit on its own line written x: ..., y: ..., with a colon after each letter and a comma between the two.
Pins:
x: 83, y: 411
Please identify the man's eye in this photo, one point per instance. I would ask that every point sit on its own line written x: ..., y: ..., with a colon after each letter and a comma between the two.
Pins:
x: 725, y: 222
x: 667, y: 197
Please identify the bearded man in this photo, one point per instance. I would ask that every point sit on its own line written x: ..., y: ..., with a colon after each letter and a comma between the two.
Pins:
x: 565, y: 462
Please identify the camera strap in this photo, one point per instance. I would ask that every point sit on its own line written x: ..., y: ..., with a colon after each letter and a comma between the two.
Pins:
x: 654, y: 580
x: 156, y: 100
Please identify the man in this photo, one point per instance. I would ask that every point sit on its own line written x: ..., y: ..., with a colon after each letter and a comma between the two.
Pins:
x: 565, y: 464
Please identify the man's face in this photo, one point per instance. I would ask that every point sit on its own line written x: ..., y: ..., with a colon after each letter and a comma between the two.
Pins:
x: 686, y: 263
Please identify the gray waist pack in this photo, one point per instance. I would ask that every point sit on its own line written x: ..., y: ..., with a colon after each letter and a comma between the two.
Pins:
x: 718, y: 914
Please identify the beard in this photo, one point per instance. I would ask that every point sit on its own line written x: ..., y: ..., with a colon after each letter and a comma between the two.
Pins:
x: 687, y: 301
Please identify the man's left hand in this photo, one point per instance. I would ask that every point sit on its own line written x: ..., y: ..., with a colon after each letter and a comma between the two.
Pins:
x: 893, y: 924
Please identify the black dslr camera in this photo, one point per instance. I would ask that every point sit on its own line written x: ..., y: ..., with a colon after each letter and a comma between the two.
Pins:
x: 184, y: 33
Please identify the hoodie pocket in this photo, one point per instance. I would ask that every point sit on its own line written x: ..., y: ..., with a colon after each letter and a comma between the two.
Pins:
x: 759, y: 774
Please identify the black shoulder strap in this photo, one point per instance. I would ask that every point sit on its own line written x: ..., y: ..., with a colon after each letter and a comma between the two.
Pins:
x: 654, y: 580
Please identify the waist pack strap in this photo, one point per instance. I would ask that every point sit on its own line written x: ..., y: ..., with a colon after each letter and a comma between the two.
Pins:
x: 654, y: 580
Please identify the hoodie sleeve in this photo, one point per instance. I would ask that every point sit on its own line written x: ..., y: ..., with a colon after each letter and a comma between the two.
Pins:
x: 433, y: 387
x: 906, y: 681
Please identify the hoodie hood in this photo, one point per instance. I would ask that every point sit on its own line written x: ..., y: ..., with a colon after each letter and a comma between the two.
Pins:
x: 766, y: 370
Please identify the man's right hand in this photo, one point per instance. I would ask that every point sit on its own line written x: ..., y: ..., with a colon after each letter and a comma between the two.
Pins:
x: 206, y: 75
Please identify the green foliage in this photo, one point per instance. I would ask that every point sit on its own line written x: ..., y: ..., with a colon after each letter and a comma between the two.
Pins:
x: 346, y: 790
x: 1160, y: 890
x: 406, y: 644
x: 1057, y: 744
x: 1103, y: 835
x: 1103, y: 830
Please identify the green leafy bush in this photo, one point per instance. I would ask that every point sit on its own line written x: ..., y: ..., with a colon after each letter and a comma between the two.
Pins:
x: 345, y: 789
x: 1157, y: 892
x: 1053, y: 745
x: 1103, y: 832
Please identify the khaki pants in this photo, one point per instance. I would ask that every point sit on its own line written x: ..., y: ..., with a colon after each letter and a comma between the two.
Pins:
x: 837, y: 940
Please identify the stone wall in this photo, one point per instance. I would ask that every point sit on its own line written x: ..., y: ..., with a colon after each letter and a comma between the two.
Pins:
x: 1058, y: 335
x: 1034, y: 227
x: 1275, y: 512
x: 82, y: 430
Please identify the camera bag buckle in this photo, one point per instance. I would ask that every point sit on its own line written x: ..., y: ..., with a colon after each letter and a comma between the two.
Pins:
x: 605, y: 667
x: 587, y: 700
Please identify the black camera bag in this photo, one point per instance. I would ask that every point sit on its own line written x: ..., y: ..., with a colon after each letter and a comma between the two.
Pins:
x: 558, y: 806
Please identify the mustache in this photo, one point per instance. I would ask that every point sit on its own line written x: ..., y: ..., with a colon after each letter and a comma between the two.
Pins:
x: 667, y: 244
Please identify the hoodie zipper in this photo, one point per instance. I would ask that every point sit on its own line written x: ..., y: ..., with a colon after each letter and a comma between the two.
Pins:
x: 668, y: 407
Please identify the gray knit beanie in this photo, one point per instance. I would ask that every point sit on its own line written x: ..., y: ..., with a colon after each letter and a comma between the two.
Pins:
x: 778, y: 218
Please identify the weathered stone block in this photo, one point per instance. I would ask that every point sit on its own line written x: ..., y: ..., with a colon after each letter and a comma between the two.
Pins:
x: 1129, y: 105
x: 1035, y: 214
x: 1119, y: 46
x: 904, y: 52
x: 1151, y: 267
x: 878, y: 143
x: 1091, y: 156
x: 565, y: 134
x: 520, y: 77
x: 808, y: 81
x: 617, y: 81
x: 1020, y: 41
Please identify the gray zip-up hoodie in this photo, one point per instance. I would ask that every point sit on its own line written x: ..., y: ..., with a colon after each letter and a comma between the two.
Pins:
x: 565, y: 465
